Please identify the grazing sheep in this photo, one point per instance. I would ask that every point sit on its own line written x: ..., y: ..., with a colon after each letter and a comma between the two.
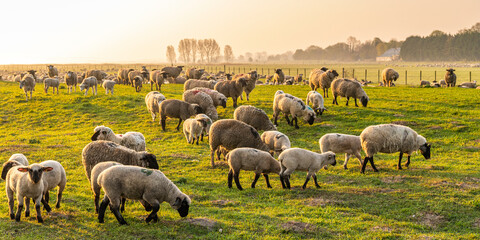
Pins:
x: 203, y: 100
x: 98, y: 74
x: 137, y: 183
x: 218, y: 98
x: 323, y: 80
x: 122, y: 75
x: 145, y: 74
x: 348, y: 88
x: 425, y: 83
x: 390, y: 138
x: 132, y: 140
x: 52, y: 71
x: 16, y: 159
x: 231, y: 134
x: 342, y: 143
x: 468, y: 84
x: 193, y: 129
x: 314, y: 78
x: 152, y: 100
x: 298, y: 79
x: 389, y: 75
x: 233, y: 89
x: 317, y: 102
x: 251, y: 78
x: 28, y: 85
x: 450, y: 77
x: 90, y: 82
x: 443, y: 83
x: 103, y: 151
x: 52, y: 179
x: 300, y: 159
x: 173, y: 71
x: 96, y: 170
x: 250, y: 159
x: 276, y: 141
x: 32, y: 72
x: 132, y: 75
x: 291, y: 105
x: 157, y: 78
x: 71, y: 81
x: 254, y: 117
x: 209, y: 124
x: 51, y: 82
x: 278, y: 77
x: 194, y: 73
x: 26, y: 182
x: 137, y: 83
x: 108, y: 86
x: 174, y: 108
x: 177, y: 80
x: 193, y: 83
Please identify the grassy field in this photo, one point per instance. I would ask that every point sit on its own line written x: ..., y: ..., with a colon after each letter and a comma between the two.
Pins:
x: 432, y: 199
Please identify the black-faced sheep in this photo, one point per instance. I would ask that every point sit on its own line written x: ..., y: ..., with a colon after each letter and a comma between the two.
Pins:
x: 254, y: 117
x: 450, y: 77
x: 389, y: 76
x: 157, y: 78
x: 251, y: 78
x: 203, y: 100
x: 194, y: 73
x: 293, y: 106
x: 233, y: 89
x: 278, y: 77
x: 173, y: 71
x: 174, y: 108
x: 320, y: 79
x: 349, y: 88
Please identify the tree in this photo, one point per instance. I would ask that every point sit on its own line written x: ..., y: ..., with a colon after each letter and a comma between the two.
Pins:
x: 352, y: 43
x: 184, y: 50
x: 212, y: 50
x: 194, y: 46
x: 228, y: 53
x: 171, y: 55
x: 201, y: 50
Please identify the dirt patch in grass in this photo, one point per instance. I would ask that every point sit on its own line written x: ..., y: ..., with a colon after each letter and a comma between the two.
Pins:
x: 203, y: 222
x: 393, y: 179
x: 315, y: 202
x: 398, y: 115
x: 381, y: 229
x: 223, y: 203
x: 62, y: 215
x: 58, y: 146
x: 405, y: 123
x: 435, y: 127
x: 430, y: 219
x: 181, y: 155
x: 298, y: 227
x: 17, y: 148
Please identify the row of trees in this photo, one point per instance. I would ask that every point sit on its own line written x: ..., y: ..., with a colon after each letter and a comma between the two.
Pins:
x: 207, y: 51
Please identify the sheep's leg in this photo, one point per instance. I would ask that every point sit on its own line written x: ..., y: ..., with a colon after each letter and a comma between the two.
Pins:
x: 234, y: 102
x: 153, y: 116
x: 151, y: 86
x: 347, y: 156
x: 153, y: 215
x: 282, y: 180
x: 162, y: 122
x: 39, y: 211
x: 201, y: 137
x: 356, y: 105
x: 19, y: 208
x: 315, y: 180
x: 10, y: 203
x: 237, y: 181
x: 348, y: 99
x: 248, y: 96
x: 288, y: 120
x: 96, y: 201
x: 287, y: 181
x: 365, y: 161
x: 241, y: 96
x: 101, y: 210
x: 267, y: 180
x: 257, y: 176
x: 179, y: 122
x: 45, y: 205
x: 47, y: 197
x: 359, y: 157
x: 275, y: 116
x: 399, y: 166
x: 296, y: 122
x: 122, y: 207
x: 306, y: 180
x: 198, y: 138
x: 211, y: 158
x: 27, y: 206
x: 408, y: 161
x: 373, y: 165
x: 118, y: 215
x: 230, y: 178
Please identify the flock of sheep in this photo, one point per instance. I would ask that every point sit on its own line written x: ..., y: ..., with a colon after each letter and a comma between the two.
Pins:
x: 120, y: 165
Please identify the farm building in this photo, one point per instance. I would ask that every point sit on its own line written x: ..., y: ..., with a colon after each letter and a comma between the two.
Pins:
x: 391, y: 54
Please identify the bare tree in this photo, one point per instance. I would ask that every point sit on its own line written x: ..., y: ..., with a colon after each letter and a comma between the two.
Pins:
x: 194, y: 47
x: 201, y: 50
x: 212, y: 50
x: 184, y: 50
x: 171, y: 55
x: 228, y: 53
x: 353, y: 43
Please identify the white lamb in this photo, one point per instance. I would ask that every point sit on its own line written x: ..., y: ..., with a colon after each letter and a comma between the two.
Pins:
x: 132, y: 140
x: 317, y: 102
x: 342, y: 143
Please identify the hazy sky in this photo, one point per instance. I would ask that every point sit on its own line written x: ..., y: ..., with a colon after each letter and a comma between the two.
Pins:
x: 66, y: 31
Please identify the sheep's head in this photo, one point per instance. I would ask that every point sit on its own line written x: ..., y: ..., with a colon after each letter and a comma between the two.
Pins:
x: 182, y: 205
x: 32, y: 72
x: 50, y: 67
x: 278, y: 71
x: 450, y: 70
x: 150, y: 160
x: 180, y: 67
x: 425, y: 150
x: 82, y: 87
x: 332, y: 74
x: 35, y: 171
x: 102, y: 133
x: 22, y: 83
x: 196, y: 108
x: 223, y: 101
x: 229, y: 76
x: 364, y: 100
x: 253, y: 75
x: 309, y: 115
x: 164, y: 74
x: 330, y: 158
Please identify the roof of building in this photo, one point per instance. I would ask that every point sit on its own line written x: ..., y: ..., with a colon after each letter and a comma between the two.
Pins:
x: 391, y: 52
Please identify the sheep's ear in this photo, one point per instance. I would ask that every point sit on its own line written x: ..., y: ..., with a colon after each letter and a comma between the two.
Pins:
x: 178, y: 202
x: 22, y: 169
x: 95, y: 135
x: 47, y: 169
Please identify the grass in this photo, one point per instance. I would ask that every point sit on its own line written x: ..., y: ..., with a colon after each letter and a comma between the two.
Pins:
x: 432, y: 199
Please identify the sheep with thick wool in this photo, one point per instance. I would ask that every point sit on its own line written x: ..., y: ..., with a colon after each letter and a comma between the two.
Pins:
x: 276, y: 141
x: 194, y: 73
x: 28, y: 85
x: 251, y: 78
x: 203, y: 100
x: 157, y: 78
x: 322, y: 79
x: 317, y: 101
x: 52, y: 71
x: 132, y: 140
x: 450, y: 77
x: 122, y: 75
x: 278, y: 77
x: 233, y: 89
x: 16, y: 159
x: 54, y: 83
x: 108, y: 85
x: 96, y: 170
x: 293, y: 106
x: 174, y: 108
x: 56, y: 177
x: 173, y: 71
x: 194, y: 83
x: 254, y: 117
x: 342, y: 143
x: 153, y: 100
x: 71, y: 81
x: 218, y: 98
x: 89, y: 82
x: 350, y: 89
x: 98, y: 74
x: 389, y: 76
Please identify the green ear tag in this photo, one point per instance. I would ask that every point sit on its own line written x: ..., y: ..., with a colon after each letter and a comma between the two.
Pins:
x: 147, y: 172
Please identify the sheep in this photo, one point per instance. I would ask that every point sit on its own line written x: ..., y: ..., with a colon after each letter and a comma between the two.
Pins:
x: 132, y: 75
x: 177, y: 80
x: 317, y: 102
x: 137, y: 83
x: 145, y: 74
x: 173, y: 71
x: 26, y: 182
x: 108, y: 86
x: 132, y: 140
x: 231, y: 89
x: 278, y: 77
x: 28, y: 85
x: 203, y: 100
x: 342, y: 143
x: 450, y: 77
x: 389, y: 75
x: 322, y: 80
x: 390, y: 138
x: 254, y: 117
x: 291, y: 105
x: 348, y: 88
x: 122, y: 75
x: 152, y: 100
x: 16, y: 159
x: 138, y: 183
x: 193, y: 83
x: 103, y: 151
x: 209, y: 124
x: 32, y: 72
x: 52, y: 179
x: 157, y: 78
x: 90, y: 82
x: 98, y: 74
x: 443, y: 83
x: 468, y: 84
x: 231, y: 134
x: 314, y: 78
x: 96, y: 170
x: 298, y: 79
x: 51, y: 82
x: 276, y: 141
x: 251, y: 78
x: 218, y: 98
x: 18, y: 77
x: 52, y: 71
x: 300, y: 159
x: 194, y: 73
x: 174, y: 108
x: 71, y: 81
x: 425, y: 83
x: 193, y: 128
x: 250, y: 159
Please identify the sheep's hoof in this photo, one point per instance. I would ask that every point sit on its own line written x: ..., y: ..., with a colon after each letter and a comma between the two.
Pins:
x: 399, y: 167
x: 27, y: 214
x: 318, y: 186
x: 375, y: 170
x: 12, y: 216
x: 345, y: 167
x: 297, y: 127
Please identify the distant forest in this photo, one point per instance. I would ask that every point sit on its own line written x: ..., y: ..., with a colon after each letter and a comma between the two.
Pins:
x: 438, y: 46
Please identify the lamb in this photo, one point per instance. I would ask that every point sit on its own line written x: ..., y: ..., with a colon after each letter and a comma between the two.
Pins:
x: 193, y: 83
x: 98, y: 74
x: 132, y: 75
x: 450, y: 77
x: 137, y: 83
x: 16, y: 159
x: 209, y: 124
x: 319, y: 79
x: 32, y: 72
x: 250, y: 159
x: 348, y: 88
x: 424, y: 83
x: 132, y: 140
x: 300, y: 159
x: 157, y: 78
x: 218, y: 98
x: 71, y: 81
x: 291, y: 105
x: 51, y: 82
x: 103, y: 151
x: 26, y: 182
x: 251, y: 78
x: 193, y: 128
x: 194, y: 73
x: 122, y: 75
x: 174, y: 108
x: 298, y: 79
x: 52, y: 71
x: 278, y: 77
x: 342, y: 143
x: 317, y: 102
x: 390, y: 138
x: 203, y: 100
x: 254, y: 117
x: 28, y: 85
x: 152, y: 100
x: 173, y: 71
x: 468, y: 84
x: 96, y: 170
x: 90, y: 82
x: 108, y: 86
x: 137, y: 183
x: 231, y: 134
x: 276, y: 141
x: 231, y: 89
x: 389, y: 75
x: 53, y: 178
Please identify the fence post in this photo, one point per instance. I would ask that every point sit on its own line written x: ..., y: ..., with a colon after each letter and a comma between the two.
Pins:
x: 365, y: 75
x: 378, y: 76
x: 353, y: 73
x: 470, y: 76
x: 343, y: 72
x: 405, y: 77
x: 289, y: 71
x: 420, y: 75
x: 435, y: 75
x: 305, y: 73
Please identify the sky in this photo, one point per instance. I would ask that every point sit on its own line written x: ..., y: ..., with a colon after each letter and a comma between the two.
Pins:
x: 104, y: 31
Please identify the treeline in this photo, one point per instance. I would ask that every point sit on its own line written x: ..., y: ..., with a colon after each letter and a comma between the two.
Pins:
x: 191, y: 50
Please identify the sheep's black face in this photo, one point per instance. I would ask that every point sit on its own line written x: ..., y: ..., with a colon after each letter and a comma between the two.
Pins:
x: 151, y: 161
x: 364, y: 101
x: 183, y: 206
x: 311, y: 119
x: 95, y: 136
x: 335, y: 73
x: 224, y: 103
x: 332, y: 159
x: 278, y: 71
x: 425, y: 150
